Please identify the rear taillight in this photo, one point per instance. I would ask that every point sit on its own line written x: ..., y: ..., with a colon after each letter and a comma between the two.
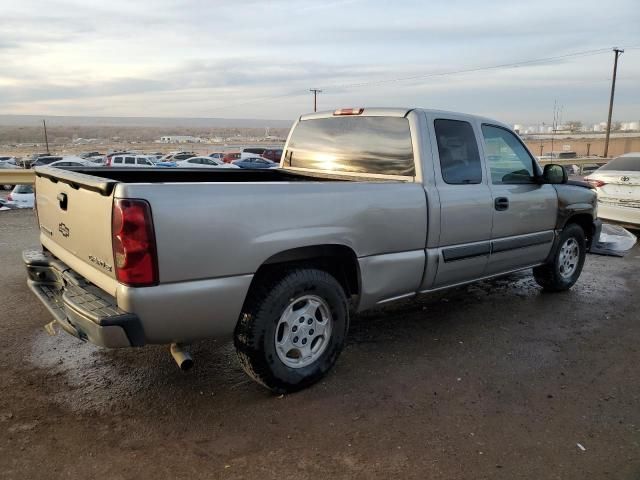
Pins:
x: 134, y: 243
x: 10, y: 198
x: 108, y: 162
x: 596, y: 183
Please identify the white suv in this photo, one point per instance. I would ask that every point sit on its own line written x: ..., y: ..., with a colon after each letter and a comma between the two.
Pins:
x: 130, y: 161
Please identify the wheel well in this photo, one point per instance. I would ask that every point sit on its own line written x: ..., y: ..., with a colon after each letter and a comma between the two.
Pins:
x: 337, y: 260
x: 585, y: 221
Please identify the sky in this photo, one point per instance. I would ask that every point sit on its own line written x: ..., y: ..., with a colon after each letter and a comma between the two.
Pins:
x: 258, y: 59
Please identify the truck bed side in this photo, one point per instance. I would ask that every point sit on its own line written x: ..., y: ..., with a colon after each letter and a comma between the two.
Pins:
x: 382, y: 222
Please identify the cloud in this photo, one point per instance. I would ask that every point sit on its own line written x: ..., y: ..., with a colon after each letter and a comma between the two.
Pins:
x: 256, y: 58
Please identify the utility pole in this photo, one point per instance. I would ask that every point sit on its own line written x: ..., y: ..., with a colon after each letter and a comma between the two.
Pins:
x: 617, y: 52
x: 554, y: 124
x: 46, y: 140
x: 315, y: 92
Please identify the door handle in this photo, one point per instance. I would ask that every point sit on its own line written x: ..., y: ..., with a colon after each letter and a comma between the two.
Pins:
x: 62, y: 200
x: 501, y: 203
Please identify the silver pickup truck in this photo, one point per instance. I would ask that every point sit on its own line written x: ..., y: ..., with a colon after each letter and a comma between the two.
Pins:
x: 369, y: 206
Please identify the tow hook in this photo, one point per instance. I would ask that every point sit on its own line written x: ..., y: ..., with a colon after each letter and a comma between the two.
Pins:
x: 181, y: 356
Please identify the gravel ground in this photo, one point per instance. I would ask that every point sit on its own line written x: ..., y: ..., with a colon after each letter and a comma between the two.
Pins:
x: 495, y: 380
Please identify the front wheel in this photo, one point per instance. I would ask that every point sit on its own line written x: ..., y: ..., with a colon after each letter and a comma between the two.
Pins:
x: 292, y: 329
x: 567, y: 262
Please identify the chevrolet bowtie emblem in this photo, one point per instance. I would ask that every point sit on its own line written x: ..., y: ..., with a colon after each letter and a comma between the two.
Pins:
x: 64, y: 230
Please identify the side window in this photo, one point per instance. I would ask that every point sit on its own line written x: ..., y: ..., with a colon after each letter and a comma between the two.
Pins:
x: 508, y: 160
x: 117, y: 160
x: 129, y: 160
x: 458, y: 150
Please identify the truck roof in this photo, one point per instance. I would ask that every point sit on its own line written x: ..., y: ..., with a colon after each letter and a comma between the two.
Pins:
x: 401, y: 112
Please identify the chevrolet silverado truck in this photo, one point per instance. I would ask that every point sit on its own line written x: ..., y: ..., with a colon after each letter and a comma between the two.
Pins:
x: 368, y: 206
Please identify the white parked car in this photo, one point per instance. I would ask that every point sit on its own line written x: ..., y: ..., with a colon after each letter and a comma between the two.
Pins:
x: 252, y: 152
x: 72, y: 162
x: 129, y: 160
x: 176, y: 156
x: 7, y: 166
x: 204, y: 162
x: 618, y: 186
x: 22, y: 196
x: 8, y: 160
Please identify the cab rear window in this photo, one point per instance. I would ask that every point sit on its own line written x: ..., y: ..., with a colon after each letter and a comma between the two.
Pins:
x: 368, y: 145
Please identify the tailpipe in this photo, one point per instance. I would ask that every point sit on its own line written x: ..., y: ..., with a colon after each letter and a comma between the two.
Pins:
x: 181, y: 356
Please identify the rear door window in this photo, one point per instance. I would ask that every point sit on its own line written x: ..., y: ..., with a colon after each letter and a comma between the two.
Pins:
x: 129, y: 160
x: 458, y: 151
x: 366, y: 145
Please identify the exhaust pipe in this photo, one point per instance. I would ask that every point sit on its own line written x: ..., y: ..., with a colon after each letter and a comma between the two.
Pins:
x: 181, y: 356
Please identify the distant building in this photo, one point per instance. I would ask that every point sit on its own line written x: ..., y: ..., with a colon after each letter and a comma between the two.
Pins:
x: 84, y: 141
x: 630, y: 126
x: 180, y: 139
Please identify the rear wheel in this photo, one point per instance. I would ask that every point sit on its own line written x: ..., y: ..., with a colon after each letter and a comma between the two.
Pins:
x: 567, y: 262
x: 292, y: 329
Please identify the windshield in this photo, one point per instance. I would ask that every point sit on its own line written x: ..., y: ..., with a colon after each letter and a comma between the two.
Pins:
x: 628, y: 164
x: 373, y: 145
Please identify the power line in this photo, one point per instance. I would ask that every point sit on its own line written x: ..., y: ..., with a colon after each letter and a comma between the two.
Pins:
x: 584, y: 53
x: 477, y: 69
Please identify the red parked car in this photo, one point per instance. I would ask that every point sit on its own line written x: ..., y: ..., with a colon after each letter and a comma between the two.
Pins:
x: 273, y: 154
x: 231, y: 157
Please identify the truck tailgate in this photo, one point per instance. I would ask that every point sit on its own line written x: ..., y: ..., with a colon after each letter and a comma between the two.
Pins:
x: 74, y: 215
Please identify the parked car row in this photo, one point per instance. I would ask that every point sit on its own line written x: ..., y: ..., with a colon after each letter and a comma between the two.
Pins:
x: 250, y: 157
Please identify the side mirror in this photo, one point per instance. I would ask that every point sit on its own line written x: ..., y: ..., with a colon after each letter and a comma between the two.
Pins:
x: 554, y: 174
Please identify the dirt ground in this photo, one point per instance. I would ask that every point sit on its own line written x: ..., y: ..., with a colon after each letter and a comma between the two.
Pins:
x: 495, y: 380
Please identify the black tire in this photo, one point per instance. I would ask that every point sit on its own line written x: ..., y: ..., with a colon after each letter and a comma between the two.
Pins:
x: 550, y: 276
x: 255, y: 335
